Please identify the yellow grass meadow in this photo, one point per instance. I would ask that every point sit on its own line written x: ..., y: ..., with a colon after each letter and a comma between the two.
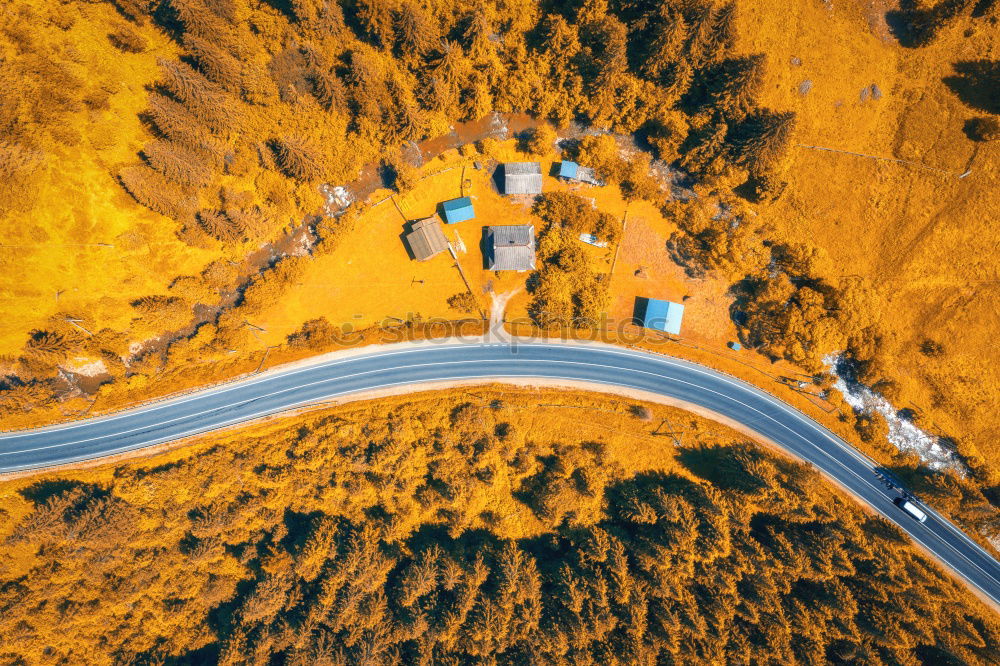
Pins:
x: 84, y: 248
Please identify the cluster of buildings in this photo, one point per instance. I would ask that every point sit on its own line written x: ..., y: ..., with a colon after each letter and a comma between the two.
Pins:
x: 508, y: 247
x: 512, y: 247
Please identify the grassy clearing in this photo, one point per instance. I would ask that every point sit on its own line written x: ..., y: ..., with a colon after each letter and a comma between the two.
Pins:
x: 370, y: 278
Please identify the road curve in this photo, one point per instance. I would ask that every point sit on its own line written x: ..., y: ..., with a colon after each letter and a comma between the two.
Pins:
x: 273, y: 392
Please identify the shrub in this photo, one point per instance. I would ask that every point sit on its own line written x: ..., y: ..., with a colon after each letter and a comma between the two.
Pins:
x: 542, y: 140
x: 872, y: 427
x: 463, y: 302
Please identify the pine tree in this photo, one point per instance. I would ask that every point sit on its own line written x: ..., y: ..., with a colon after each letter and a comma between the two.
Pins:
x: 443, y: 79
x: 158, y: 313
x: 479, y: 34
x: 127, y: 40
x: 701, y: 36
x: 199, y: 21
x: 135, y: 10
x: 542, y: 140
x: 152, y: 190
x: 762, y: 140
x: 708, y: 152
x: 736, y: 85
x: 416, y: 32
x: 368, y: 86
x: 209, y: 104
x: 177, y: 123
x: 219, y: 226
x: 299, y: 159
x: 180, y: 164
x: 723, y: 34
x: 322, y: 18
x: 680, y: 77
x: 47, y: 345
x: 251, y: 221
x: 376, y: 19
x: 327, y: 86
x: 214, y: 62
x: 665, y: 49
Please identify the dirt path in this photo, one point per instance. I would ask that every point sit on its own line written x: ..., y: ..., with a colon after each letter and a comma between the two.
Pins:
x: 496, y: 331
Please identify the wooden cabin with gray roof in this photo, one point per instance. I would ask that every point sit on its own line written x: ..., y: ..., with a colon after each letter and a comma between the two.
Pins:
x: 522, y: 178
x: 510, y: 248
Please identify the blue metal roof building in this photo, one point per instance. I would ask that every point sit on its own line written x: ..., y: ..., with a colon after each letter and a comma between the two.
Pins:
x: 663, y: 316
x: 568, y: 169
x: 458, y: 210
x: 581, y: 174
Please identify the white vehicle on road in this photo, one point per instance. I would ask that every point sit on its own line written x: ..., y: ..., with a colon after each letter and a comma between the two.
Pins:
x: 911, y: 508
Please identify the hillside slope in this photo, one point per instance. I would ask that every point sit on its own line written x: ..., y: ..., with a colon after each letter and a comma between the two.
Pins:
x: 925, y: 237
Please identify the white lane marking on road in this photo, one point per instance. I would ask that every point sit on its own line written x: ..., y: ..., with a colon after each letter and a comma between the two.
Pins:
x: 766, y: 416
x: 198, y: 395
x: 815, y: 426
x: 857, y: 455
x: 185, y: 417
x: 298, y: 387
x: 645, y: 356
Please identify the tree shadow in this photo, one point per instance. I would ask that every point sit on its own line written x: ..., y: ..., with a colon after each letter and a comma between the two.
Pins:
x: 980, y: 129
x: 143, y: 472
x: 742, y: 292
x: 41, y: 492
x: 463, y: 548
x: 730, y: 467
x: 649, y: 483
x: 166, y: 17
x: 982, y: 8
x: 283, y: 6
x: 299, y: 526
x: 747, y: 191
x: 977, y: 84
x: 911, y: 25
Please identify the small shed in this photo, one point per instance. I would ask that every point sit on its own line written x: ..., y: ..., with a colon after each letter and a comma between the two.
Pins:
x: 568, y: 169
x: 426, y: 238
x: 510, y: 248
x: 522, y: 178
x: 663, y: 316
x: 573, y: 171
x: 458, y: 210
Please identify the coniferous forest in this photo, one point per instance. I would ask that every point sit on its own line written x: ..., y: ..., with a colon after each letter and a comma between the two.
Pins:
x: 284, y: 92
x: 483, y: 527
x: 415, y: 531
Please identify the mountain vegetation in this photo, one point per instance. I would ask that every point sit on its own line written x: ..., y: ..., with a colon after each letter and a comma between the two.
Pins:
x: 156, y: 152
x: 245, y: 108
x: 415, y: 531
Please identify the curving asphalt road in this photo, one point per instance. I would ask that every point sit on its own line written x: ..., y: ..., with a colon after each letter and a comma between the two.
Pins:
x: 274, y: 392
